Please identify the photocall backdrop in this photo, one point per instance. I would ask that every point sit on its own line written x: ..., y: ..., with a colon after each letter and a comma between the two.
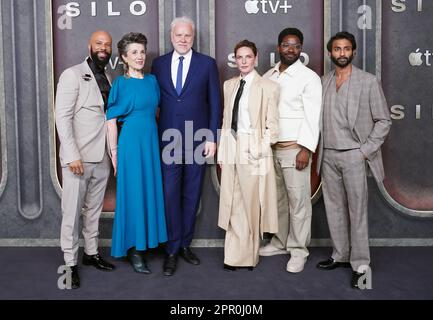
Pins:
x: 39, y: 39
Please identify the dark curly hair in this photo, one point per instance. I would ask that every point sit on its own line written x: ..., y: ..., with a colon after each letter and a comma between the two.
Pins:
x: 290, y: 32
x: 127, y: 39
x: 342, y: 35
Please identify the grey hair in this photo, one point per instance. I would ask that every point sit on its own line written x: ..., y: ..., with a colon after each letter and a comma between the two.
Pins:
x: 183, y: 19
x: 123, y: 44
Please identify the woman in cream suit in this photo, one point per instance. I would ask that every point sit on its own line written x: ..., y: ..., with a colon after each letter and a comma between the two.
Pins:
x: 248, y: 200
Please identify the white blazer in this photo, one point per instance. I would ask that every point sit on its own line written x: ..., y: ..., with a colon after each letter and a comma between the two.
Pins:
x: 299, y: 105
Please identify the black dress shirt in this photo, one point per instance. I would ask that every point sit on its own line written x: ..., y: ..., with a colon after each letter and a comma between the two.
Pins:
x: 101, y: 79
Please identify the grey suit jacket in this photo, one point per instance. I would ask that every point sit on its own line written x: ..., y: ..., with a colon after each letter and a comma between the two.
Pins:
x: 368, y: 117
x: 80, y: 117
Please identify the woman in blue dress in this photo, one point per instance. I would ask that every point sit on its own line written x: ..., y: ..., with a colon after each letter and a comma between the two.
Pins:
x: 139, y: 221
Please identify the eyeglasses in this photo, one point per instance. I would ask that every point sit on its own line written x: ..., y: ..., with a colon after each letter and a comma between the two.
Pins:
x: 293, y: 46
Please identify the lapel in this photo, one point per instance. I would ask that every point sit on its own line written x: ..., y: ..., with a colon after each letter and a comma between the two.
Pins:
x: 91, y: 87
x: 193, y: 67
x: 355, y: 86
x: 230, y: 95
x: 325, y: 86
x: 85, y: 85
x: 167, y: 70
x: 327, y: 83
x: 108, y: 78
x: 255, y: 99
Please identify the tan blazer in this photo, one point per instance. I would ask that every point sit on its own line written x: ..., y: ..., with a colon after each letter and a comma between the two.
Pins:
x: 263, y: 104
x: 368, y: 117
x: 80, y: 117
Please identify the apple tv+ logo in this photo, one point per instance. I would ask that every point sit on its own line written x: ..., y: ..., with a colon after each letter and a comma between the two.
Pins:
x: 252, y: 6
x: 416, y: 58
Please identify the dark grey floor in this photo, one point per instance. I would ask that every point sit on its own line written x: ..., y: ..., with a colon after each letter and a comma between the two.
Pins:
x: 397, y: 273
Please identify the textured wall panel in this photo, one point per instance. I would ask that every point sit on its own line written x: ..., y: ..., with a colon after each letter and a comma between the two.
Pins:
x: 26, y: 107
x: 200, y: 11
x: 26, y: 38
x: 29, y: 205
x: 238, y: 20
x: 407, y: 69
x: 3, y: 168
x: 359, y: 17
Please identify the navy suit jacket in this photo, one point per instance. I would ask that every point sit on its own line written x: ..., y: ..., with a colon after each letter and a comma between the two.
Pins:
x: 199, y: 101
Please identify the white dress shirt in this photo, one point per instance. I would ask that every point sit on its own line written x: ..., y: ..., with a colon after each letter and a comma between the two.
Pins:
x: 175, y: 65
x: 300, y: 104
x: 244, y: 123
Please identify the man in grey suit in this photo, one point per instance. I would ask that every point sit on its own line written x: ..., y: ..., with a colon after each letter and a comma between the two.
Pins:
x: 82, y: 94
x: 355, y: 123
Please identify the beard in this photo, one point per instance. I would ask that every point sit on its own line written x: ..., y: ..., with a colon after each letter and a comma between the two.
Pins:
x: 342, y: 62
x: 288, y: 60
x: 100, y: 61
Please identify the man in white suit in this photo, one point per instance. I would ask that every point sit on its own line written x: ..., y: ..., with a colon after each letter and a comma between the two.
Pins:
x: 82, y: 93
x: 299, y: 114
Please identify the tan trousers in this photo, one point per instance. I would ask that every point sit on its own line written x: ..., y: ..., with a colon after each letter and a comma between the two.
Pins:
x: 242, y: 240
x: 82, y: 195
x: 294, y: 204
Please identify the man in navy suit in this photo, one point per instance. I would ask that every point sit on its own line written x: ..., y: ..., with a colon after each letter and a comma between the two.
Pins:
x: 190, y: 111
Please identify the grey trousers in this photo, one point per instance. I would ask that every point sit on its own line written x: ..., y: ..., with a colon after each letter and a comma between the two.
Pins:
x: 294, y: 204
x: 345, y: 193
x: 82, y: 195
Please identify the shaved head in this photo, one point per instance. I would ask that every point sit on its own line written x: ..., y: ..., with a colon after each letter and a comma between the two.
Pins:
x: 99, y: 34
x: 100, y: 47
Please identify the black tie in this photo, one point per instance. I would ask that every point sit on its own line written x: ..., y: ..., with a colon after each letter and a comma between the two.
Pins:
x: 236, y: 106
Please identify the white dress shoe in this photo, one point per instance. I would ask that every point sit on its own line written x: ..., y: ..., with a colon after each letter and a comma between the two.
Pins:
x: 271, y: 250
x: 296, y: 264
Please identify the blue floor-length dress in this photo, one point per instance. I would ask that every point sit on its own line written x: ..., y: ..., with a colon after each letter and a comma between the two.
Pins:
x: 139, y: 219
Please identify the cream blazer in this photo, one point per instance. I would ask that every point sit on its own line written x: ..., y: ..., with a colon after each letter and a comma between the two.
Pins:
x: 80, y: 117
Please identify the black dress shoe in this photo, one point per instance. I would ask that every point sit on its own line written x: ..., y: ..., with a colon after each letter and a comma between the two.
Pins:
x: 170, y: 264
x: 137, y: 261
x: 355, y: 279
x: 189, y: 256
x: 331, y: 264
x: 97, y: 261
x: 75, y: 278
x: 229, y: 268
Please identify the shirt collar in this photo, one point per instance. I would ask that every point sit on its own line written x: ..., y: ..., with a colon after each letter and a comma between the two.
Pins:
x: 187, y: 56
x: 249, y: 77
x: 94, y: 67
x: 290, y: 70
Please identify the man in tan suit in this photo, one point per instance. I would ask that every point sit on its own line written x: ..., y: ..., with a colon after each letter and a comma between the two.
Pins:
x: 82, y: 93
x: 355, y: 123
x: 248, y: 199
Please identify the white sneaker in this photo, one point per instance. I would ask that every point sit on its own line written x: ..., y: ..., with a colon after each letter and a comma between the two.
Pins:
x: 296, y: 264
x: 271, y: 250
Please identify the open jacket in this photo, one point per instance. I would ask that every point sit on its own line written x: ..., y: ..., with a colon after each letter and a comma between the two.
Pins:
x: 368, y: 116
x: 263, y: 112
